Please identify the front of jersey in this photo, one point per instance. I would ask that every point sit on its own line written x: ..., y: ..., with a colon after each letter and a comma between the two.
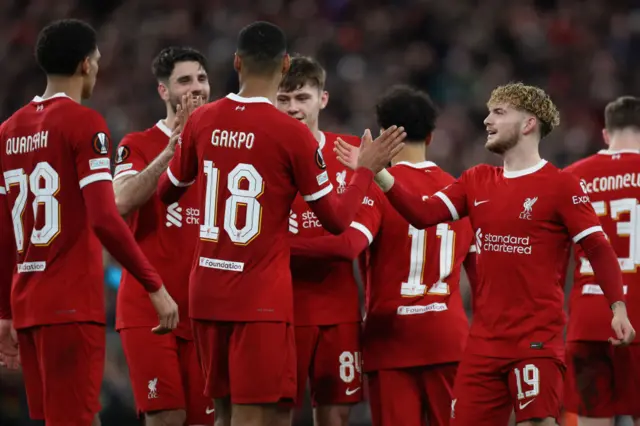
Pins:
x: 51, y: 149
x: 414, y: 311
x: 524, y: 223
x: 612, y: 180
x: 324, y: 292
x: 249, y: 161
x: 167, y: 235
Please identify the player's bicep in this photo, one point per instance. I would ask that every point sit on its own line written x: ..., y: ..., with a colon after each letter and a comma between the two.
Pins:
x: 309, y: 168
x: 183, y: 167
x: 575, y: 209
x: 92, y: 148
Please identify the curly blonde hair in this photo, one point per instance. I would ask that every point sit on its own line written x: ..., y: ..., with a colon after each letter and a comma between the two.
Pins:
x: 531, y: 99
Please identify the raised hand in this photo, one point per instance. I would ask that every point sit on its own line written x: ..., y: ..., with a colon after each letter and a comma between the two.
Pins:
x: 167, y: 311
x: 346, y: 153
x: 188, y: 104
x: 376, y: 154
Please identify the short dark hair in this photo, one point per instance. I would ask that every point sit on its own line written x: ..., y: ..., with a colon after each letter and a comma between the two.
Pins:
x: 164, y: 63
x: 622, y: 113
x: 262, y: 45
x: 303, y: 70
x: 64, y: 44
x: 410, y: 108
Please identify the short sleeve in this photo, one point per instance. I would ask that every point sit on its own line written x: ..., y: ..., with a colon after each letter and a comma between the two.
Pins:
x: 369, y: 215
x: 92, y: 148
x: 130, y: 159
x: 454, y: 196
x: 183, y: 168
x: 575, y: 209
x: 309, y: 169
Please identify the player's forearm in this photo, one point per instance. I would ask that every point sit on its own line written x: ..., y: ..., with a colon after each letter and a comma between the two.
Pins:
x: 336, y: 212
x: 346, y: 246
x: 115, y: 236
x: 167, y: 191
x: 605, y: 266
x: 419, y: 212
x: 133, y: 191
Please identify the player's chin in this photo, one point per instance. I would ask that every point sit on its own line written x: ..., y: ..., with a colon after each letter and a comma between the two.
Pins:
x: 496, y: 145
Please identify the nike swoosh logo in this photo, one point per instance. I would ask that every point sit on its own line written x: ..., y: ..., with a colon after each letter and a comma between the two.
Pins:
x: 425, y: 197
x: 209, y: 410
x: 351, y: 392
x: 476, y: 203
x: 522, y: 406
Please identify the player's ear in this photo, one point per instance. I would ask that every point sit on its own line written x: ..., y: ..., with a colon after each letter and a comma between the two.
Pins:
x: 286, y: 63
x: 163, y: 91
x: 428, y: 139
x: 85, y: 66
x: 606, y: 137
x: 237, y: 63
x: 529, y: 125
x: 324, y: 99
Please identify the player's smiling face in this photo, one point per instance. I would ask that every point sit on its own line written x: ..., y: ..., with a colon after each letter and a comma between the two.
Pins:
x: 303, y: 104
x: 187, y: 77
x: 503, y: 125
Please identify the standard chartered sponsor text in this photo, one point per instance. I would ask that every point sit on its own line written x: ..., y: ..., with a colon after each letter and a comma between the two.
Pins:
x: 503, y: 243
x: 611, y: 183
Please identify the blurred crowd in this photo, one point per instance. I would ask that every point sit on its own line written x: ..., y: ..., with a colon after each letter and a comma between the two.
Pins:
x: 580, y: 51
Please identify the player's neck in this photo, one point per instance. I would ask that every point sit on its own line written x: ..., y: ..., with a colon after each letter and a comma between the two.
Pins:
x: 315, y: 130
x: 521, y: 157
x: 170, y: 120
x: 70, y: 86
x: 625, y: 140
x: 259, y: 88
x: 413, y: 152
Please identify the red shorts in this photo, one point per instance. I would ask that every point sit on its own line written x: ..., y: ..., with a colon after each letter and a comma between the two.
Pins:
x: 488, y: 389
x: 165, y: 374
x: 329, y: 357
x: 252, y: 362
x: 407, y: 396
x: 602, y: 380
x: 63, y: 365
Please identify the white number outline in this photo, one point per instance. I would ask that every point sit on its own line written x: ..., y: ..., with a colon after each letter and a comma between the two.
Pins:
x: 530, y: 376
x: 43, y: 196
x: 629, y: 229
x: 350, y: 364
x: 413, y: 286
x: 209, y: 231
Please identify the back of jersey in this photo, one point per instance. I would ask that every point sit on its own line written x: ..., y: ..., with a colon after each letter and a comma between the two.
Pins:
x: 249, y: 160
x: 52, y: 149
x: 612, y: 180
x: 414, y: 294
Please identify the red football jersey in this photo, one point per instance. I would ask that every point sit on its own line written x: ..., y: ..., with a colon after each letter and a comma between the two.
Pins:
x: 612, y: 180
x: 524, y: 223
x: 250, y: 160
x: 167, y: 235
x: 414, y: 309
x: 51, y: 150
x: 324, y: 292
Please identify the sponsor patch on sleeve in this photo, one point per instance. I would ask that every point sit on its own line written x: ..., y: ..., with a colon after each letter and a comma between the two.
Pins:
x: 322, y: 178
x: 99, y: 163
x: 123, y: 167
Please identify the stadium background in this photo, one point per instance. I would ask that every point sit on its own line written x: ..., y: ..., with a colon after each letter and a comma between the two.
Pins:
x: 581, y: 52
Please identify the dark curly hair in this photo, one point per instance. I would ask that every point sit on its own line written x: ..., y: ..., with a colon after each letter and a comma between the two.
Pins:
x: 163, y: 64
x: 410, y: 108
